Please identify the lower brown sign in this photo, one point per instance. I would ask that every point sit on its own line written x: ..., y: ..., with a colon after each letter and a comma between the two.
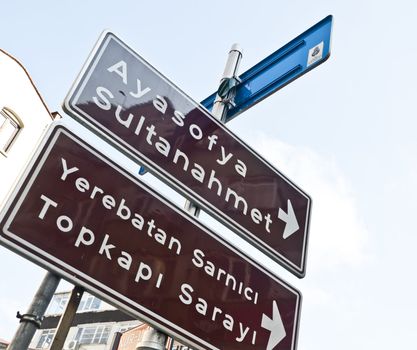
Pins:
x: 79, y: 214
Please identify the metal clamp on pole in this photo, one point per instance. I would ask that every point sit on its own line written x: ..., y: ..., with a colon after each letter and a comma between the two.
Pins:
x: 225, y: 94
x: 228, y: 84
x: 227, y: 90
x: 36, y: 320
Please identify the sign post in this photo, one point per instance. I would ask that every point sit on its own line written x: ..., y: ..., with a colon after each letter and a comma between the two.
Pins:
x: 121, y: 97
x: 230, y: 71
x: 31, y: 320
x: 105, y: 230
x: 67, y: 318
x: 97, y: 231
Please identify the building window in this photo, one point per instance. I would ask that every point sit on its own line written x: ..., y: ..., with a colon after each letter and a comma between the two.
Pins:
x: 58, y: 303
x: 93, y: 334
x: 89, y: 303
x: 124, y: 328
x: 45, y: 339
x: 10, y: 126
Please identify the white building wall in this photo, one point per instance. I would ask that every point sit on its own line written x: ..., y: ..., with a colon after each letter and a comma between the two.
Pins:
x: 18, y: 93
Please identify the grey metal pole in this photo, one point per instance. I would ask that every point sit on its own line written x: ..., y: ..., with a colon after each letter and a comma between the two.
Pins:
x: 221, y: 103
x: 31, y: 321
x: 154, y: 339
x: 66, y: 319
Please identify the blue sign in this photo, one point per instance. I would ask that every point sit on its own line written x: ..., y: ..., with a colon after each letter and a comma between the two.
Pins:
x: 291, y: 61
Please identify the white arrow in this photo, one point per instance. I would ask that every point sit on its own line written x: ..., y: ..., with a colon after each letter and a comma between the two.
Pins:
x: 275, y: 326
x: 290, y: 219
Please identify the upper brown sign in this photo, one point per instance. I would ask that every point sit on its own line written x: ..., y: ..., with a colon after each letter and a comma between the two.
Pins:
x: 77, y: 213
x: 121, y: 96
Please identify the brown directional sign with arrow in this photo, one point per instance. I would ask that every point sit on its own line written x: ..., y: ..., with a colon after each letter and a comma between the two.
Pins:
x: 79, y: 214
x: 120, y: 96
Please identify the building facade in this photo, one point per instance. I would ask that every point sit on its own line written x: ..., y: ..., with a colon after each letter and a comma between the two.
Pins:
x: 95, y: 326
x: 24, y: 118
x: 129, y: 340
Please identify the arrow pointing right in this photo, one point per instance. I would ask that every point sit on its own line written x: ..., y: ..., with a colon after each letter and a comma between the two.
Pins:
x: 275, y: 326
x: 290, y: 219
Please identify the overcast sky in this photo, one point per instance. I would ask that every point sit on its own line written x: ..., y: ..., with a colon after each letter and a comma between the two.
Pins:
x: 344, y: 132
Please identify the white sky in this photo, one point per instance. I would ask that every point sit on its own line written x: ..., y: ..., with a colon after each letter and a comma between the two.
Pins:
x: 345, y: 133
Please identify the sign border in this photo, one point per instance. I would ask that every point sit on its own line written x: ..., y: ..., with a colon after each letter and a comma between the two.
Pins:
x: 71, y: 274
x: 70, y: 108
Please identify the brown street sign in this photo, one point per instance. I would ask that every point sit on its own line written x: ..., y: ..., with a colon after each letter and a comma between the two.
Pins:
x: 121, y: 96
x: 79, y: 214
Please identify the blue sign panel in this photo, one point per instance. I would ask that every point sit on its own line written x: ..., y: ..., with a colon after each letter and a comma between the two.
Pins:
x: 291, y: 61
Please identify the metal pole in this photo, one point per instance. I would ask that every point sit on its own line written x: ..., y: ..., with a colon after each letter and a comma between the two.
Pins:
x: 66, y: 319
x: 154, y: 339
x: 31, y: 321
x: 221, y: 103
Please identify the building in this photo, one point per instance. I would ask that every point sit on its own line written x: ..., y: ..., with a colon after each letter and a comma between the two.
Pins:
x: 129, y: 339
x: 3, y: 344
x: 95, y: 325
x: 24, y: 117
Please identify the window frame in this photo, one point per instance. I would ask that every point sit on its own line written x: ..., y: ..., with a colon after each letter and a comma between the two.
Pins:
x: 12, y: 118
x: 88, y: 303
x: 48, y: 336
x: 96, y: 334
x: 57, y: 304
